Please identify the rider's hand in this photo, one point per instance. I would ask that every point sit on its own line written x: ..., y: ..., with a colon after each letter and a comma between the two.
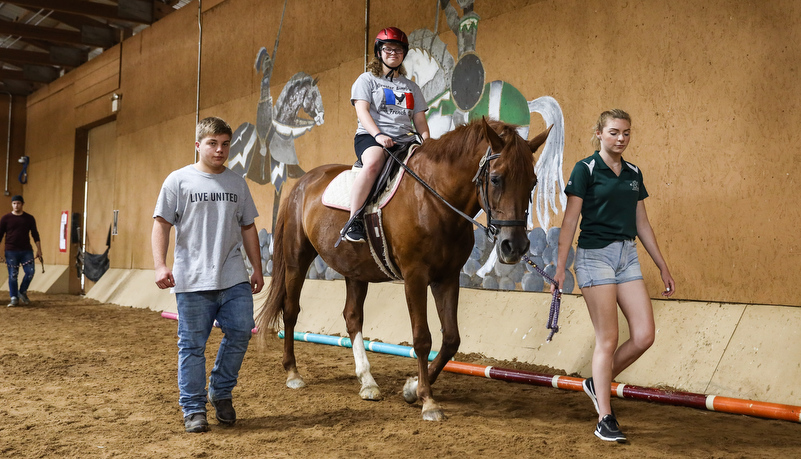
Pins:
x: 384, y: 140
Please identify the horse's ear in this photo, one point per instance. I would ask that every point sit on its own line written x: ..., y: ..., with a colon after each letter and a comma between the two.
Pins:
x: 492, y: 137
x: 537, y: 141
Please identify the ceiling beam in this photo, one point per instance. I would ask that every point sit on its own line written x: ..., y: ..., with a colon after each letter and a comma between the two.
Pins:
x: 17, y: 87
x: 31, y: 73
x: 78, y: 21
x: 58, y: 55
x: 138, y: 11
x: 92, y: 36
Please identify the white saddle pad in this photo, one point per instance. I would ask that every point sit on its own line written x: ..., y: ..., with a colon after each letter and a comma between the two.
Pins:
x: 337, y: 194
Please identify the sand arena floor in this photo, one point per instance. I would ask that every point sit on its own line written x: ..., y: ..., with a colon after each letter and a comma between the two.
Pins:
x: 83, y: 379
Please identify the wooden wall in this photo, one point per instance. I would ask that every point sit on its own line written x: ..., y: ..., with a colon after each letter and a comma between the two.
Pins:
x: 711, y: 88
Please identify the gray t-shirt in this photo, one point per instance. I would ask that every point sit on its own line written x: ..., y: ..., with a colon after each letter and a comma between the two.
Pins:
x: 208, y: 211
x: 393, y: 104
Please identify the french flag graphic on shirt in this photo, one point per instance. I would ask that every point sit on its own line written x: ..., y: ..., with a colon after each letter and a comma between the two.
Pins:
x: 399, y: 99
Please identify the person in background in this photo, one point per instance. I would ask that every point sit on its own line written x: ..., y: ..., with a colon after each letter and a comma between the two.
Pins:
x: 608, y: 193
x: 213, y: 214
x: 18, y: 227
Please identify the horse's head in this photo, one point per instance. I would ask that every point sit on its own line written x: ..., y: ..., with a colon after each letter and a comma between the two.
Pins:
x: 505, y: 180
x: 313, y: 102
x: 300, y: 93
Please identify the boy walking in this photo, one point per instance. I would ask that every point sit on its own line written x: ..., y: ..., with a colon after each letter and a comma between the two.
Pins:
x: 213, y: 214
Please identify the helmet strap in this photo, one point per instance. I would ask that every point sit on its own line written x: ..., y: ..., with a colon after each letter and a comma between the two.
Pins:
x: 393, y: 70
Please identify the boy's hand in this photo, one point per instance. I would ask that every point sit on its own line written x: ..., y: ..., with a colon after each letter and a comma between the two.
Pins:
x: 164, y: 278
x: 256, y: 282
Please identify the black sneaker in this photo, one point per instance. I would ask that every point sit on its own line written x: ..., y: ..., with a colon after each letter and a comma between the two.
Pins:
x: 609, y: 430
x: 196, y: 422
x: 23, y: 299
x: 589, y: 389
x: 356, y: 231
x: 224, y: 411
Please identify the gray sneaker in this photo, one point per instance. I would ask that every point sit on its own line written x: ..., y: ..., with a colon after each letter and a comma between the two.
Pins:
x: 14, y: 302
x: 23, y: 298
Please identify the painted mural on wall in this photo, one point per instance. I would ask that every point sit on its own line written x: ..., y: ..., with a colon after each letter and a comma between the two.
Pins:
x: 265, y: 152
x: 457, y: 93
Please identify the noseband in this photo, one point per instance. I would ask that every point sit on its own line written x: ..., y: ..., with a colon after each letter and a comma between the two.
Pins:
x: 481, y: 179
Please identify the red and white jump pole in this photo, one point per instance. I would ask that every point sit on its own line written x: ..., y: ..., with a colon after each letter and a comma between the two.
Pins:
x: 668, y: 397
x: 701, y: 401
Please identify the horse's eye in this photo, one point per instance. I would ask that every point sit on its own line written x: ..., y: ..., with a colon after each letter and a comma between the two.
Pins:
x: 496, y: 180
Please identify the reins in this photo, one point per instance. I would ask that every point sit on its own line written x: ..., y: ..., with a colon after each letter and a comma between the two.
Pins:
x: 489, y: 230
x: 481, y: 177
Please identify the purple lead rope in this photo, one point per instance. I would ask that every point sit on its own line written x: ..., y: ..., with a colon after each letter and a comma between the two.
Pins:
x: 556, y: 300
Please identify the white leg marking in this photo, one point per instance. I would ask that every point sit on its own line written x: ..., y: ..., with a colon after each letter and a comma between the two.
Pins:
x: 369, y: 390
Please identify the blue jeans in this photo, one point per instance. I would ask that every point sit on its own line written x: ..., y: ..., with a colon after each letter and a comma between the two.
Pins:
x: 15, y: 258
x: 197, y: 311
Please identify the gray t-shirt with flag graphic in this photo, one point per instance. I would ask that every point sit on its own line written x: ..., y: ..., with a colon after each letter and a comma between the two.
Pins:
x: 393, y: 103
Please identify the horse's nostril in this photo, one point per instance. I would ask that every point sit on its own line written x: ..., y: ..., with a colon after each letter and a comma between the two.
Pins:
x: 507, y: 248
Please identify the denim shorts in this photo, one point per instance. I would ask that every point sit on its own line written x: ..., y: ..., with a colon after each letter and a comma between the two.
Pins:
x: 616, y: 263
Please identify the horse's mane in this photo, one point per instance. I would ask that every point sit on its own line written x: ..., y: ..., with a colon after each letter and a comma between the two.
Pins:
x: 292, y: 95
x: 298, y: 80
x: 462, y: 143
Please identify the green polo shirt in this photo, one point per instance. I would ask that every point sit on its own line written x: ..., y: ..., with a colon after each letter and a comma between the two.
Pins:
x: 609, y: 211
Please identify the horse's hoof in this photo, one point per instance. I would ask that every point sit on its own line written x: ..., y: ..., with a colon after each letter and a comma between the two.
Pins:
x: 372, y: 393
x: 434, y: 415
x: 296, y: 383
x: 410, y: 390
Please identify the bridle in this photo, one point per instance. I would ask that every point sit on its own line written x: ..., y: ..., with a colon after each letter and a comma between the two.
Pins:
x: 481, y: 179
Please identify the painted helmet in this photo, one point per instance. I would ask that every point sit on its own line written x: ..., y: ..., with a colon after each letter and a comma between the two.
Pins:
x: 390, y: 35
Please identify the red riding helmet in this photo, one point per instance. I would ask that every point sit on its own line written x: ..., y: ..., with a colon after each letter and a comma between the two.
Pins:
x: 390, y: 35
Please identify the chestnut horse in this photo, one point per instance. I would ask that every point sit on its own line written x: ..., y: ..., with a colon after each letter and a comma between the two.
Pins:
x: 477, y: 166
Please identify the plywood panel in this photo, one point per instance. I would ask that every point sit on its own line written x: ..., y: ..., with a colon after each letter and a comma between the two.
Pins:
x: 762, y: 358
x: 50, y: 140
x: 159, y: 68
x: 711, y: 89
x: 98, y: 77
x: 144, y: 161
